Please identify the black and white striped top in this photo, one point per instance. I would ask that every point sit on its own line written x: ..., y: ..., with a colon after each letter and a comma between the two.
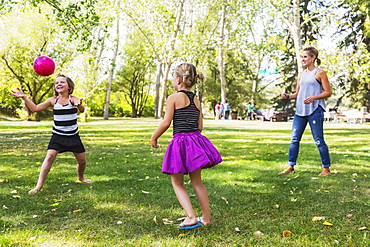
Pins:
x: 65, y: 119
x: 186, y: 119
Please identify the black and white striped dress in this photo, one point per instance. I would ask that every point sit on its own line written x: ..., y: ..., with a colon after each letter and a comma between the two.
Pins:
x: 65, y: 130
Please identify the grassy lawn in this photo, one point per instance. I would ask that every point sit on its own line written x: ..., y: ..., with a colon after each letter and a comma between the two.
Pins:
x: 130, y: 197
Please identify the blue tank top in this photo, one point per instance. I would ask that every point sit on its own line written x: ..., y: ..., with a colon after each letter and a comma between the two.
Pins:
x: 186, y: 119
x: 65, y: 119
x: 309, y: 86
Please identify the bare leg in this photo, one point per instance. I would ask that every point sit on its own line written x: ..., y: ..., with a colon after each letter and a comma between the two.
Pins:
x: 202, y: 195
x: 183, y: 197
x: 44, y: 171
x: 81, y: 161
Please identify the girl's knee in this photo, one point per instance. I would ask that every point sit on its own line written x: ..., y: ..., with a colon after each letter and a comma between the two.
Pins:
x: 81, y: 161
x: 50, y: 156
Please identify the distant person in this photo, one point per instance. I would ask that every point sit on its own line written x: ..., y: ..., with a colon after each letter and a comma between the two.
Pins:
x: 254, y: 111
x: 313, y: 87
x: 189, y: 152
x: 249, y: 111
x: 65, y: 136
x: 217, y: 111
x: 227, y: 109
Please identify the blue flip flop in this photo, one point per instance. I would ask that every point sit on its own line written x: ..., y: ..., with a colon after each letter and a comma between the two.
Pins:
x: 189, y: 227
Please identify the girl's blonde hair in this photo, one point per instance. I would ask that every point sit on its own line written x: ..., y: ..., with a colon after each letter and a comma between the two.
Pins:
x: 312, y: 51
x: 188, y: 73
x: 70, y: 83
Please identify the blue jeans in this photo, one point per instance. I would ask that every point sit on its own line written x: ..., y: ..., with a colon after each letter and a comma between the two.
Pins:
x: 316, y: 120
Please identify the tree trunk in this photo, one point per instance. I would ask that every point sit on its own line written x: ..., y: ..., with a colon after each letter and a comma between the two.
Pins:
x: 169, y: 58
x: 157, y: 114
x: 111, y: 73
x: 221, y: 53
x: 164, y: 88
x: 296, y: 32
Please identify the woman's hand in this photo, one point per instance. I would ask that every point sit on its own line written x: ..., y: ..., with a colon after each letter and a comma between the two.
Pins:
x: 308, y: 100
x: 284, y: 96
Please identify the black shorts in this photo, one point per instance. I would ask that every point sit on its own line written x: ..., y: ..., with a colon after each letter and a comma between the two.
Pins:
x: 66, y: 144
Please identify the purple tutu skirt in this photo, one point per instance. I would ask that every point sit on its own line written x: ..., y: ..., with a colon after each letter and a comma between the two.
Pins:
x: 188, y: 152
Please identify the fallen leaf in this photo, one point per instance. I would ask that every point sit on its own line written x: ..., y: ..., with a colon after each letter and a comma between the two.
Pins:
x: 223, y: 198
x: 237, y: 229
x: 35, y: 216
x: 258, y: 234
x: 362, y: 228
x: 5, y: 207
x: 318, y: 218
x: 327, y: 223
x: 145, y: 192
x: 55, y: 204
x: 155, y: 220
x: 31, y: 239
x: 182, y: 235
x: 14, y: 191
x: 76, y: 211
x: 119, y: 222
x: 2, y: 180
x: 17, y: 196
x: 349, y: 215
x: 167, y: 221
x: 286, y: 233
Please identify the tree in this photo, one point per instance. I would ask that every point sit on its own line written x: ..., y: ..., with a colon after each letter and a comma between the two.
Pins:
x: 134, y: 76
x: 22, y: 44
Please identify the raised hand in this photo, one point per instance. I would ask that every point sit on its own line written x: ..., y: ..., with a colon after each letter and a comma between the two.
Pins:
x: 18, y: 92
x: 77, y: 101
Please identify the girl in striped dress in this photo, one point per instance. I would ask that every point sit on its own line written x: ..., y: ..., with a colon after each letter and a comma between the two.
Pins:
x: 65, y: 136
x: 189, y: 152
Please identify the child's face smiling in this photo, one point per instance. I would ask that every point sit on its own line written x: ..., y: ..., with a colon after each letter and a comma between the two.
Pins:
x: 61, y: 85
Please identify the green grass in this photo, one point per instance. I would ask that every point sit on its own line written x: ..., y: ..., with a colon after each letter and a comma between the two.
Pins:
x: 123, y: 165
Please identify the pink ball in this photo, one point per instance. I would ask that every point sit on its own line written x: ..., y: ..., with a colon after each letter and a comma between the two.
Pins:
x: 44, y: 66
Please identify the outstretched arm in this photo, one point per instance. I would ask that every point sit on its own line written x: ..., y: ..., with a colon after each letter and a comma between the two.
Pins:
x: 18, y: 92
x: 166, y: 123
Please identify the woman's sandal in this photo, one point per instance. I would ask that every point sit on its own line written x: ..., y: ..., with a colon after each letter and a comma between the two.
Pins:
x: 324, y: 174
x: 286, y: 171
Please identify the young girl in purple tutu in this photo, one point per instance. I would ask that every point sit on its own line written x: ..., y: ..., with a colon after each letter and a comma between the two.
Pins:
x: 189, y: 152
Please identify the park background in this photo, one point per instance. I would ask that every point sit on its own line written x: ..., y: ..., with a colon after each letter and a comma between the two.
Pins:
x: 121, y: 55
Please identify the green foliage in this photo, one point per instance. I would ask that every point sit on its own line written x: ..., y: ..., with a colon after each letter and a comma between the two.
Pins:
x: 22, y: 45
x: 245, y: 191
x: 134, y: 76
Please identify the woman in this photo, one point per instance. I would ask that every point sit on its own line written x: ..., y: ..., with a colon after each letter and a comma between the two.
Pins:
x: 313, y: 87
